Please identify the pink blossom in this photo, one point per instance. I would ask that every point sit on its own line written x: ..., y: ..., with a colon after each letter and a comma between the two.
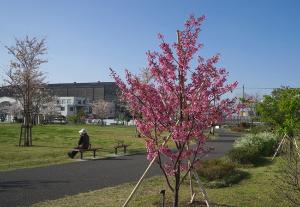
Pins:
x: 181, y: 100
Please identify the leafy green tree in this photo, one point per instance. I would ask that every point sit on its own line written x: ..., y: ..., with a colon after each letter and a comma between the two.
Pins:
x: 122, y: 112
x: 77, y: 118
x: 282, y: 110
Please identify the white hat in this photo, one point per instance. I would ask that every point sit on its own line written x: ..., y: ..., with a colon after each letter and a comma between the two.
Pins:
x: 82, y: 131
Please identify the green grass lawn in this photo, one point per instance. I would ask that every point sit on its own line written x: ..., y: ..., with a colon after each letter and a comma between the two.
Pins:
x: 257, y: 190
x: 52, y: 142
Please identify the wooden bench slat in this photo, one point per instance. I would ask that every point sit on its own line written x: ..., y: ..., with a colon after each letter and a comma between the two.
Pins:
x: 86, y: 150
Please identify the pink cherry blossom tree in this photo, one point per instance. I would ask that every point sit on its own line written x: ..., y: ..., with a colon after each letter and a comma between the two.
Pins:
x: 182, y: 99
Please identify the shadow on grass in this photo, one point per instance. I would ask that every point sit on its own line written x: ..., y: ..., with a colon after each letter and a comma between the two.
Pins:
x: 194, y: 204
x: 228, y: 180
x: 47, y: 146
x: 262, y: 161
x: 202, y: 203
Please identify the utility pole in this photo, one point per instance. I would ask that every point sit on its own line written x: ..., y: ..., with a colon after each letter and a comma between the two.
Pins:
x: 243, y: 101
x: 243, y: 92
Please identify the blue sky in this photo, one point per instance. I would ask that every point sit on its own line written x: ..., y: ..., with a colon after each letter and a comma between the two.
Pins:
x: 258, y: 40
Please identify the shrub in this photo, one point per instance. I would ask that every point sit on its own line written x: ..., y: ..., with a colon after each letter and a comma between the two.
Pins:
x: 228, y: 180
x: 255, y: 129
x: 244, y: 155
x: 265, y: 142
x: 219, y: 173
x: 215, y: 169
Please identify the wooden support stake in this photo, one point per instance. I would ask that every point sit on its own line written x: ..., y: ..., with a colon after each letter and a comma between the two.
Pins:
x: 146, y: 171
x: 297, y: 148
x: 139, y: 182
x: 202, y: 189
x: 191, y: 188
x: 190, y: 176
x: 279, y: 146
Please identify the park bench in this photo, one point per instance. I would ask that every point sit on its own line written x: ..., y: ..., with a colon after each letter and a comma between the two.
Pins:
x: 90, y: 149
x: 121, y: 144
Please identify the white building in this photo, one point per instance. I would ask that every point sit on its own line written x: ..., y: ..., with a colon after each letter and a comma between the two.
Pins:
x: 68, y: 106
x: 10, y: 109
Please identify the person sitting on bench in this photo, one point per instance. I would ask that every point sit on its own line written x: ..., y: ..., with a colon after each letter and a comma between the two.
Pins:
x: 83, y: 143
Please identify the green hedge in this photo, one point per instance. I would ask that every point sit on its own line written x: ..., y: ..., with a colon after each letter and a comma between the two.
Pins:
x: 215, y: 169
x: 219, y: 173
x: 244, y: 155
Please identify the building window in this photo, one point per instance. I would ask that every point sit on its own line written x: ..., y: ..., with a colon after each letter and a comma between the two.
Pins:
x: 71, y: 108
x: 79, y: 101
x: 62, y: 108
x: 68, y: 101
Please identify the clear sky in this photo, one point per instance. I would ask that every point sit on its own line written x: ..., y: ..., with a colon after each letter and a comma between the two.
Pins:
x: 259, y: 40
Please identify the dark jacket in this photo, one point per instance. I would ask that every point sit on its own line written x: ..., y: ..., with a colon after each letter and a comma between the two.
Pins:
x: 84, y: 141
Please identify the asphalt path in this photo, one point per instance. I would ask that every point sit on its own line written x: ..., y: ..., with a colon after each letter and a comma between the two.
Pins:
x: 27, y: 186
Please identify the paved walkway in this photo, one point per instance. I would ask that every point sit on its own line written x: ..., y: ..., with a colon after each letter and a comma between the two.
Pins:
x: 27, y: 186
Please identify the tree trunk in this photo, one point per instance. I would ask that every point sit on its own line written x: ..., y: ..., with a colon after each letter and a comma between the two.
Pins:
x: 26, y: 133
x: 27, y: 129
x: 175, y: 204
x: 137, y: 133
x: 176, y: 190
